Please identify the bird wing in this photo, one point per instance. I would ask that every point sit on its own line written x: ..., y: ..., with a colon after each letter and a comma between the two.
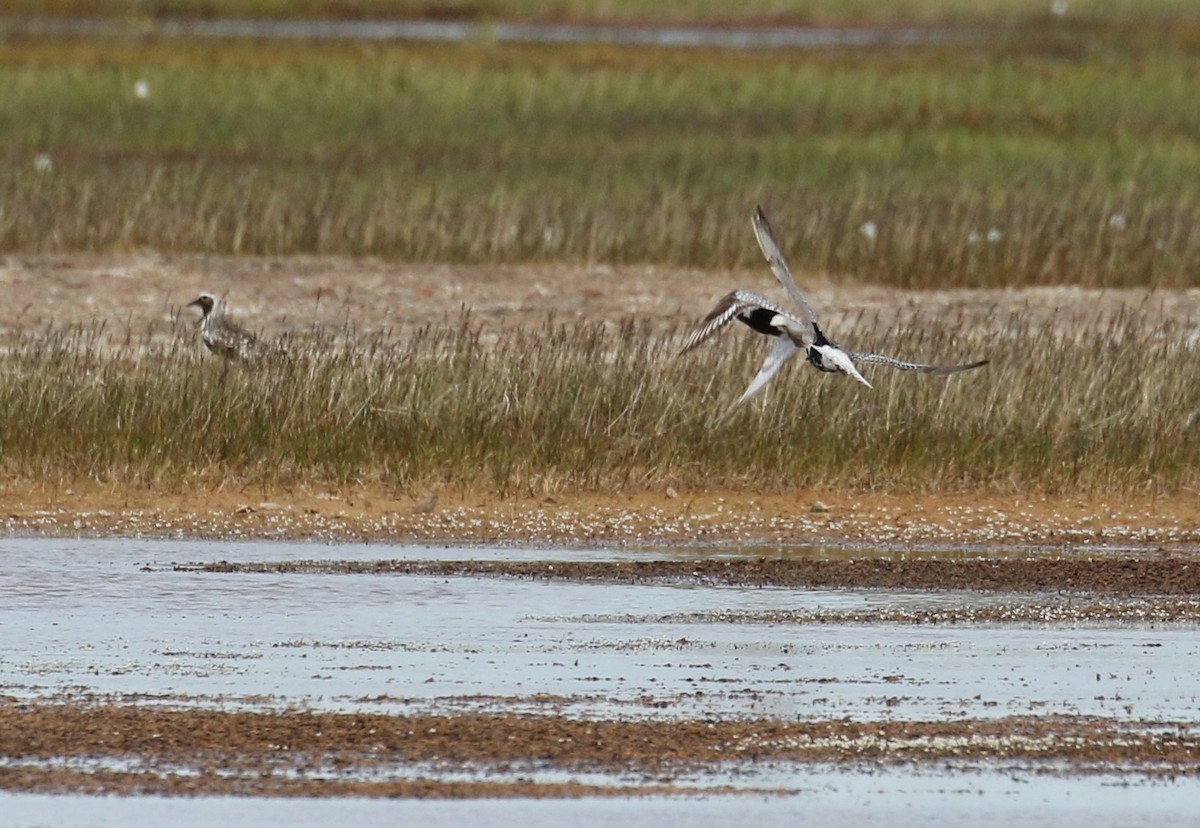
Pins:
x: 783, y: 350
x: 902, y: 365
x: 728, y: 308
x: 779, y: 266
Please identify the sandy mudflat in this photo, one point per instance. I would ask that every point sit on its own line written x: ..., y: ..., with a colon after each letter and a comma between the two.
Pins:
x: 720, y: 517
x: 277, y: 754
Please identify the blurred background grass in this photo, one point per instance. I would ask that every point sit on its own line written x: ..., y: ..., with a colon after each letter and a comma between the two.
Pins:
x: 1031, y: 148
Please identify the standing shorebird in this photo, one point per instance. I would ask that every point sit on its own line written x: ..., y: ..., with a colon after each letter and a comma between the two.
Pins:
x: 220, y: 334
x: 793, y: 332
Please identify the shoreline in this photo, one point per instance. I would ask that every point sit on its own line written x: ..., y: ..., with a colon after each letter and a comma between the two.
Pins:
x: 1053, y: 563
x: 715, y: 517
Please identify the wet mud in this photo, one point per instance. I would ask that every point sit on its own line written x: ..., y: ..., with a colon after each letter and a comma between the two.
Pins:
x: 301, y: 753
x: 1161, y: 575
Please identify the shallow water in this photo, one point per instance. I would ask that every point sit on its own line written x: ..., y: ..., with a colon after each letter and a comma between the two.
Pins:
x: 110, y: 617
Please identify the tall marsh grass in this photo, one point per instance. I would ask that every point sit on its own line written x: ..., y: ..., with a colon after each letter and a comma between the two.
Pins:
x: 1103, y: 408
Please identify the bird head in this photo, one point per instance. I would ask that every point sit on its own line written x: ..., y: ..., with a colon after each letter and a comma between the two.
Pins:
x: 206, y: 302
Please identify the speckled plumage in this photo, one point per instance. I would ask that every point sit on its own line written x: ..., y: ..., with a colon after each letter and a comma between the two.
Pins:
x: 219, y: 333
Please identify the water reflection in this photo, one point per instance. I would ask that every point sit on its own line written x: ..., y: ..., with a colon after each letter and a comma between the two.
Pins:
x: 830, y: 796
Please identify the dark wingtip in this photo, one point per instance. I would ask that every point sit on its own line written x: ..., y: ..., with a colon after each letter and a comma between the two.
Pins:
x: 970, y: 366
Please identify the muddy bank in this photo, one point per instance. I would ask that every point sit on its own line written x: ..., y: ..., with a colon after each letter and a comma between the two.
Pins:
x: 718, y: 517
x: 1166, y: 575
x: 300, y: 753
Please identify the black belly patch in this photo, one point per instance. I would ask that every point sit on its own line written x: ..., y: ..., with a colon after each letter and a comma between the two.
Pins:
x: 759, y: 320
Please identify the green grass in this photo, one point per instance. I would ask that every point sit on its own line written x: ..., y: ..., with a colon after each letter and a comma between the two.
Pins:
x: 1111, y: 407
x: 1074, y: 143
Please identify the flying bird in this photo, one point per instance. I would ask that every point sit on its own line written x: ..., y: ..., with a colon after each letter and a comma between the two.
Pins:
x: 219, y: 333
x: 793, y: 332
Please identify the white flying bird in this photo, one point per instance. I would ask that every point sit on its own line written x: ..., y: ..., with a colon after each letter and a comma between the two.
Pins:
x: 793, y: 332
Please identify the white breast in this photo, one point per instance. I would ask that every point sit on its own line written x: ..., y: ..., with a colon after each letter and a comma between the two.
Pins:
x: 835, y: 359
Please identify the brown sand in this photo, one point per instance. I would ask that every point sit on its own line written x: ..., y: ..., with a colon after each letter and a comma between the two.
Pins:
x: 802, y: 517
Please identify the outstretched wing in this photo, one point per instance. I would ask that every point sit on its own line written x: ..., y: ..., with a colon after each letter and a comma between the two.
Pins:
x: 783, y: 350
x: 901, y: 365
x: 779, y: 266
x: 730, y: 306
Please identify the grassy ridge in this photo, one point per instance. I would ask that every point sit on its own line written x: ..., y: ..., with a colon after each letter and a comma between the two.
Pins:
x: 1110, y: 408
x: 1062, y: 153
